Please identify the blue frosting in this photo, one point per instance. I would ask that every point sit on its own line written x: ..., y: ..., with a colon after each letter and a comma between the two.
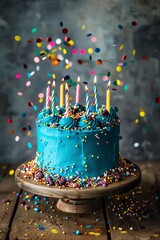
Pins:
x: 67, y: 123
x: 88, y: 123
x: 44, y: 112
x: 83, y: 153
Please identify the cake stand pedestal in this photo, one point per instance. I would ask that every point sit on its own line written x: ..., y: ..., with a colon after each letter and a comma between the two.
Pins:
x: 78, y: 200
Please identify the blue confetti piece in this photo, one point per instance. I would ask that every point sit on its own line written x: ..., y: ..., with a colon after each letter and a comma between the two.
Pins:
x: 23, y: 115
x: 120, y: 27
x: 97, y: 50
x: 35, y: 107
x: 49, y: 75
x: 29, y: 145
x: 29, y: 75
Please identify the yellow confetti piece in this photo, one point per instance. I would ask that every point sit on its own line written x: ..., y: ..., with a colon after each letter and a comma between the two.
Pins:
x: 92, y: 95
x: 91, y: 233
x: 40, y: 100
x: 67, y: 66
x: 54, y: 231
x: 83, y: 27
x: 133, y: 52
x: 123, y: 232
x: 155, y: 235
x: 27, y: 196
x: 137, y: 121
x: 39, y: 44
x: 97, y: 234
x: 118, y: 82
x: 17, y: 38
x: 71, y: 42
x: 11, y: 172
x: 90, y: 50
x: 118, y: 69
x: 121, y: 47
x: 120, y: 228
x: 142, y: 113
x: 60, y: 48
x: 64, y: 51
x: 54, y: 76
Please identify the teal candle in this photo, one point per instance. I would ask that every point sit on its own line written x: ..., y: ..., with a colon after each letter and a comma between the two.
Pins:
x: 53, y: 98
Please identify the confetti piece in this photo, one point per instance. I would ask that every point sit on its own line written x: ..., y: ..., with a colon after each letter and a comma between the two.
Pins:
x: 30, y: 104
x: 99, y: 62
x: 142, y: 113
x: 18, y: 75
x: 90, y: 50
x: 11, y: 172
x: 121, y: 47
x: 157, y: 100
x: 82, y: 51
x: 105, y: 78
x: 9, y: 120
x: 97, y: 50
x: 120, y: 27
x: 34, y: 30
x: 124, y: 57
x: 19, y: 93
x: 118, y: 68
x: 11, y: 131
x: 83, y: 27
x: 133, y: 52
x: 93, y: 39
x: 133, y: 23
x: 123, y: 232
x: 54, y: 231
x: 136, y: 144
x: 17, y: 38
x: 155, y: 235
x: 17, y: 138
x: 29, y: 145
x: 28, y: 83
x: 41, y: 95
x: 126, y: 87
x: 64, y: 30
x: 36, y: 59
x: 58, y: 41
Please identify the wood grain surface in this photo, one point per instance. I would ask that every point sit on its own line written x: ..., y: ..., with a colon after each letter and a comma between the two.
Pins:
x: 129, y: 216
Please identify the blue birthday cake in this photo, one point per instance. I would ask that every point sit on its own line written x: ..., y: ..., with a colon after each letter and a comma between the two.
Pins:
x: 77, y: 145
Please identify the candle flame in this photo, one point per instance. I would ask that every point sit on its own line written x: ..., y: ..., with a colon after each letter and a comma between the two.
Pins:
x: 78, y: 79
x: 86, y: 88
x: 95, y: 80
x: 53, y: 84
x: 62, y: 80
x: 66, y: 87
x: 109, y: 84
x: 49, y: 82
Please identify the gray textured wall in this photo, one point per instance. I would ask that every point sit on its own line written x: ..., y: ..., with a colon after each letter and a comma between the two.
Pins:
x: 101, y: 18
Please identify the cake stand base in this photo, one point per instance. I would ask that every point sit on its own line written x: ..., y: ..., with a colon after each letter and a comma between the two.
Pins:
x: 78, y: 206
x: 78, y: 200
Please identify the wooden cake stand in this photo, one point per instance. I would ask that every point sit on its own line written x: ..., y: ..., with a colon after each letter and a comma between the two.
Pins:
x: 78, y: 200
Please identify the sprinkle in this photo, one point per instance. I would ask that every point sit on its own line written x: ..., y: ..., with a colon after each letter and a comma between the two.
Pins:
x: 54, y: 231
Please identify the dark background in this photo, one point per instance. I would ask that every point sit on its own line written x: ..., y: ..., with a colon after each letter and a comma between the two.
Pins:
x: 140, y: 78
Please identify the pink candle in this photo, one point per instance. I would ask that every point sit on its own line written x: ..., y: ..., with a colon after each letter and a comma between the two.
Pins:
x: 67, y: 101
x: 48, y: 90
x: 78, y: 91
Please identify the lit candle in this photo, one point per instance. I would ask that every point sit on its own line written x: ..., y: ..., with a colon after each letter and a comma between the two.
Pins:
x: 95, y: 93
x: 67, y: 101
x: 87, y: 100
x: 48, y: 90
x: 108, y: 97
x: 78, y: 91
x: 53, y: 98
x: 62, y: 90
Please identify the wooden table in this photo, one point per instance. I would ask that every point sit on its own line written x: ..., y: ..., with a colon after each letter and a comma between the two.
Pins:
x: 133, y: 215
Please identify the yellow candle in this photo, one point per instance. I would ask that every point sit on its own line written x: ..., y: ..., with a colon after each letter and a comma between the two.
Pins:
x: 62, y: 93
x: 108, y: 97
